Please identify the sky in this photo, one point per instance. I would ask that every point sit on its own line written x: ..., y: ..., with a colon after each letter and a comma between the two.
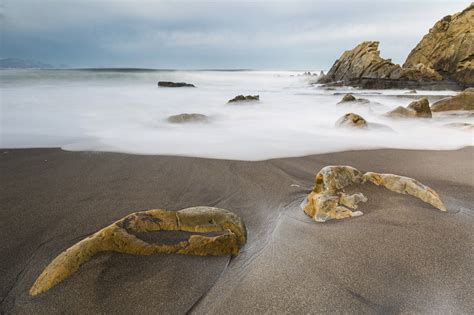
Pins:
x: 195, y: 34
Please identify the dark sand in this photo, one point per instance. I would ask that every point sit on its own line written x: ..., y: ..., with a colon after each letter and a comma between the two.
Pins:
x: 402, y: 256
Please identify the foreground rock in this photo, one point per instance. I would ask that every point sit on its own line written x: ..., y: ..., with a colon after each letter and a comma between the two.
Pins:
x: 349, y: 98
x: 448, y: 47
x: 328, y: 199
x: 187, y: 118
x: 443, y: 59
x: 174, y: 84
x: 123, y: 237
x: 462, y: 101
x: 241, y: 98
x: 416, y: 109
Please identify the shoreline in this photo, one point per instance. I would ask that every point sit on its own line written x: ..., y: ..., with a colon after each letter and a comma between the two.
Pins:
x: 400, y: 256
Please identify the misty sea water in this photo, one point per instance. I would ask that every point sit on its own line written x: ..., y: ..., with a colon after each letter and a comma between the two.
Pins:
x: 123, y: 110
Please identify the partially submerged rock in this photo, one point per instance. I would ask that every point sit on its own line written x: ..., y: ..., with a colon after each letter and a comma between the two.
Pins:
x: 462, y: 101
x: 421, y: 108
x: 349, y: 98
x: 352, y: 120
x: 461, y: 126
x: 242, y: 98
x: 411, y: 92
x: 187, y: 118
x: 174, y: 84
x: 328, y: 199
x: 416, y: 109
x: 122, y: 236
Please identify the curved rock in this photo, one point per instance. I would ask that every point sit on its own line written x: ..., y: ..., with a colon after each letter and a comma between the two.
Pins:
x: 328, y: 200
x: 406, y: 185
x: 122, y: 236
x: 187, y: 118
x: 462, y: 101
x: 448, y: 48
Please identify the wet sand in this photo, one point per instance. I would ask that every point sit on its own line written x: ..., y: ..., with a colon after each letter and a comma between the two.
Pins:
x: 401, y: 256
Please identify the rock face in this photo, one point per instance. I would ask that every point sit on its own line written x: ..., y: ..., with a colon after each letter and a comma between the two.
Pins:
x: 228, y: 236
x: 328, y: 199
x: 462, y: 101
x: 443, y: 59
x: 448, y: 48
x: 241, y: 98
x: 187, y: 118
x: 352, y: 120
x: 348, y: 98
x: 416, y: 109
x: 174, y: 84
x: 363, y: 61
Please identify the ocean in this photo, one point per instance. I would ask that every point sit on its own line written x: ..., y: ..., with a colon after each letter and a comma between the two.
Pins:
x: 123, y: 110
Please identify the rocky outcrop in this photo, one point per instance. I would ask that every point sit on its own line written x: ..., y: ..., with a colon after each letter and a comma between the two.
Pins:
x: 226, y: 234
x: 448, y: 48
x: 363, y: 61
x: 443, y: 59
x: 328, y: 200
x: 187, y: 118
x: 241, y: 98
x: 462, y: 101
x: 416, y: 109
x: 174, y: 84
x: 349, y: 98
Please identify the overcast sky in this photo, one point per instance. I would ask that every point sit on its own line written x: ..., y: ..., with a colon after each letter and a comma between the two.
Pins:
x: 212, y: 34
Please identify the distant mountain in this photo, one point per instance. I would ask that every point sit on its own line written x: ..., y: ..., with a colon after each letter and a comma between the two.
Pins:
x: 15, y: 63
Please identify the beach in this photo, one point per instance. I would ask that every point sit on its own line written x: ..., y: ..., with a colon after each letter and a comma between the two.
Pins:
x: 401, y: 256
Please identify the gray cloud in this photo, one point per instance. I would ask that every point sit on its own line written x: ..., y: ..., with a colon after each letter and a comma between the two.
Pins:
x: 212, y: 34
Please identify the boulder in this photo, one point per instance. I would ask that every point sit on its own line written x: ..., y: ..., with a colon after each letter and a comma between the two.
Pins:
x: 351, y: 98
x: 352, y: 120
x: 411, y: 92
x: 421, y: 107
x: 241, y: 98
x: 187, y: 118
x: 174, y: 84
x: 416, y: 109
x: 448, y: 47
x: 462, y: 101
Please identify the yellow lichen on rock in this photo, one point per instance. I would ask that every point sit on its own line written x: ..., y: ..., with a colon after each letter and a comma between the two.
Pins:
x: 329, y: 201
x: 120, y: 237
